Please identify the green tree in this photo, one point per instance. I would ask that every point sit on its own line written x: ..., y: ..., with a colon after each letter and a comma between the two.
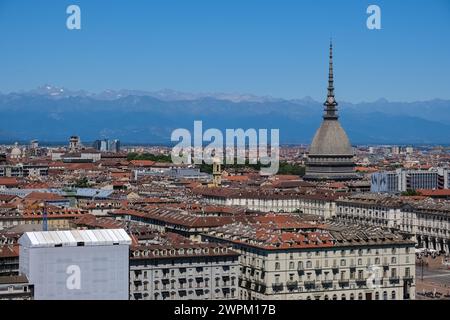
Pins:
x: 148, y: 156
x: 82, y: 183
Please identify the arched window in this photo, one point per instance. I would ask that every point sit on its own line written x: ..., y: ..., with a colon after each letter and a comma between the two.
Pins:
x: 326, y: 297
x: 393, y: 295
x: 334, y: 297
x: 352, y: 296
x: 277, y: 266
x: 377, y: 296
x: 360, y: 296
x: 308, y: 264
x: 308, y: 298
x: 343, y: 297
x: 385, y: 295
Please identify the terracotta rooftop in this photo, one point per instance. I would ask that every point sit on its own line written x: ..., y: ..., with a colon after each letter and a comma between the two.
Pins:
x: 44, y: 196
x: 314, y: 194
x: 334, y: 235
x: 142, y: 163
x: 9, y: 251
x: 6, y: 181
x: 179, y: 218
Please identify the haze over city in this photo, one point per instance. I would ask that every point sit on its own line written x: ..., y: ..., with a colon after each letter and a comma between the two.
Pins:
x: 248, y: 47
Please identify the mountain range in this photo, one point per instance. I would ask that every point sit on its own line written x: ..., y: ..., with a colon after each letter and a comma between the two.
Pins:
x: 51, y: 113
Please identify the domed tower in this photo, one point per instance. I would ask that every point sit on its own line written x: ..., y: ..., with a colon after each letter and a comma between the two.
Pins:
x: 16, y: 152
x: 330, y: 154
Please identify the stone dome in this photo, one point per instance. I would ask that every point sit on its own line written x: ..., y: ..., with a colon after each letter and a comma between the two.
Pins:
x: 330, y: 140
x: 16, y: 152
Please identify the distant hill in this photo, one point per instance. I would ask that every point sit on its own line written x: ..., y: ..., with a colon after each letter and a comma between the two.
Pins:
x: 50, y: 114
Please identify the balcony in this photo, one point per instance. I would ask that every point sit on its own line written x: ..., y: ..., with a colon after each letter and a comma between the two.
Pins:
x: 327, y: 283
x: 291, y: 285
x: 361, y: 282
x: 310, y: 284
x: 394, y: 280
x: 335, y: 268
x: 408, y: 278
x: 344, y: 282
x: 277, y: 286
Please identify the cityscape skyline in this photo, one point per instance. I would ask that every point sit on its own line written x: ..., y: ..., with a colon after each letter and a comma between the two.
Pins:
x: 301, y: 152
x: 141, y: 48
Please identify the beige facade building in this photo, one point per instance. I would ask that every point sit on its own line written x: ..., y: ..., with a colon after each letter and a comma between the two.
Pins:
x: 427, y: 220
x: 183, y: 272
x: 307, y: 202
x: 332, y: 262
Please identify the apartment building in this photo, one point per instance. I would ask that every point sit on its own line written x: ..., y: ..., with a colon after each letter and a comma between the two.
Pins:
x: 183, y: 272
x: 185, y: 223
x: 321, y: 203
x: 333, y: 262
x: 16, y: 288
x: 402, y: 180
x: 9, y: 260
x: 428, y: 220
x: 23, y: 170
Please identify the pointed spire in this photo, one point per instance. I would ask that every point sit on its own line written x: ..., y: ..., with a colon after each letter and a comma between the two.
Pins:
x: 330, y: 104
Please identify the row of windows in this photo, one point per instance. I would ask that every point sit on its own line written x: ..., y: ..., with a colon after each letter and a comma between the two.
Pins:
x: 165, y: 272
x: 343, y: 263
x: 343, y: 296
x: 342, y: 252
x: 393, y: 273
x: 382, y: 214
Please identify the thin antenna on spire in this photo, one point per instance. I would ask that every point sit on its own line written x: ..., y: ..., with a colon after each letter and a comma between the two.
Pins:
x: 330, y: 104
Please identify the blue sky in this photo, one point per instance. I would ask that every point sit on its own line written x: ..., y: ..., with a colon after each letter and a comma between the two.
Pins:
x: 264, y: 47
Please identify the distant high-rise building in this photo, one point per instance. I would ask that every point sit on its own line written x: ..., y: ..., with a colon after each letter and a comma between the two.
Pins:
x: 114, y: 145
x: 402, y: 180
x: 331, y: 154
x: 107, y: 145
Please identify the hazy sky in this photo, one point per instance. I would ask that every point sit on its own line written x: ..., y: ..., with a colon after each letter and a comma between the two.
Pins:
x: 264, y: 47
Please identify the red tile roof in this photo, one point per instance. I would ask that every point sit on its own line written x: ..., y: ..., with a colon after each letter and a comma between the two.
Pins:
x: 9, y: 182
x: 435, y: 193
x: 44, y: 196
x: 142, y: 163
